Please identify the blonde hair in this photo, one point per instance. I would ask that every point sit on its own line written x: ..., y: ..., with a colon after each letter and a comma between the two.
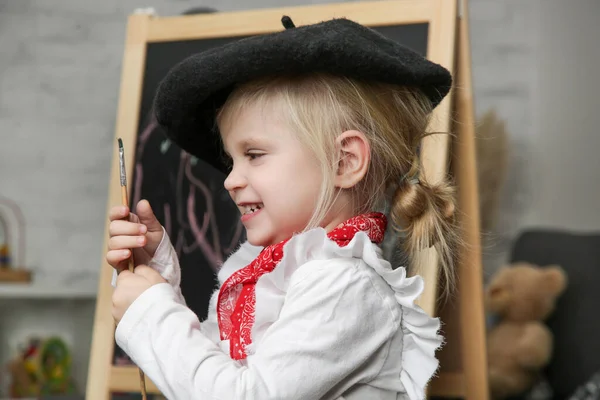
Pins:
x: 394, y: 119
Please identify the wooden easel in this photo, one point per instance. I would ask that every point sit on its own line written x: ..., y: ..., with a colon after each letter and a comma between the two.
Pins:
x: 463, y: 370
x: 464, y: 359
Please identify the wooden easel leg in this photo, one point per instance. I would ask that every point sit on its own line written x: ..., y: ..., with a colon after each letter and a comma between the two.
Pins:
x: 470, y: 285
x: 103, y: 344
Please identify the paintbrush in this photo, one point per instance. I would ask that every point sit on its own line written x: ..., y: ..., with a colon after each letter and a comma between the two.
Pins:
x: 125, y: 201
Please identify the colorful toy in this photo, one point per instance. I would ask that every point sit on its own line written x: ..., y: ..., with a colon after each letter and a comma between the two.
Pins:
x: 42, y: 368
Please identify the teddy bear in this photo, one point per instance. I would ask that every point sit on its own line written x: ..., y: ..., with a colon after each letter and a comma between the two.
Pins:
x: 520, y: 297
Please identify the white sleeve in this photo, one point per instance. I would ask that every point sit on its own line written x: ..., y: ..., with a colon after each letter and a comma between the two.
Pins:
x: 332, y: 322
x: 166, y: 263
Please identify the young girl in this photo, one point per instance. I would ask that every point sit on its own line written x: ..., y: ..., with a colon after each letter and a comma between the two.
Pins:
x: 320, y: 125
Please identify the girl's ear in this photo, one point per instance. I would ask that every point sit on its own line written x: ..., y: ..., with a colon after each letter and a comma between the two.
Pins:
x: 354, y: 157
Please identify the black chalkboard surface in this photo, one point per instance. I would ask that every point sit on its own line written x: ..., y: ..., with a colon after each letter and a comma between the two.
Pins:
x: 186, y: 194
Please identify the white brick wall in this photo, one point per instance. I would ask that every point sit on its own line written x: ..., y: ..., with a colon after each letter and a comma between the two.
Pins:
x: 503, y: 44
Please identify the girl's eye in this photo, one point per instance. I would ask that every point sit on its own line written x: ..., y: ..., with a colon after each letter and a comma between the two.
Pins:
x: 252, y: 155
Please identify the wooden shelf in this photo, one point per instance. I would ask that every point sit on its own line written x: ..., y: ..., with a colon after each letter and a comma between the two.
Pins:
x: 46, y: 291
x: 15, y: 275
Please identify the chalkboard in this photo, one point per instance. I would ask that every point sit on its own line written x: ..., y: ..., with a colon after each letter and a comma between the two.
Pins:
x: 187, y: 194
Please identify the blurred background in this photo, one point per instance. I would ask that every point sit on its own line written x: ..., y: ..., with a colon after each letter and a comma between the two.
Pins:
x: 534, y: 66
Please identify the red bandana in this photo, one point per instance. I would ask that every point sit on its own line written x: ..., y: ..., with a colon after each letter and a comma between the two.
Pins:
x: 236, y: 302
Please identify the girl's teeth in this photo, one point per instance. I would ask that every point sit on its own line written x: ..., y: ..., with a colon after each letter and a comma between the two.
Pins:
x: 253, y: 208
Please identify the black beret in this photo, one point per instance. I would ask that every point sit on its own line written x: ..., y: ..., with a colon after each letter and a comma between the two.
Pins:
x: 190, y: 95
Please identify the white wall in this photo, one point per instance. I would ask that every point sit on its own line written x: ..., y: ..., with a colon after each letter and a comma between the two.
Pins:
x: 535, y: 63
x: 504, y: 45
x: 566, y: 144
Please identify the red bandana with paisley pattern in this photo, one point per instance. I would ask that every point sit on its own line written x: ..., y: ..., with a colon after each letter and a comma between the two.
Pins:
x: 237, y: 299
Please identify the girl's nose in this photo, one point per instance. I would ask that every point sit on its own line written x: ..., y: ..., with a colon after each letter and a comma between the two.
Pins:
x: 235, y: 180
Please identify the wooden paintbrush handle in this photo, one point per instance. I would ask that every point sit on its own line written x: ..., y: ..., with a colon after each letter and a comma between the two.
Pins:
x: 142, y: 384
x: 125, y: 202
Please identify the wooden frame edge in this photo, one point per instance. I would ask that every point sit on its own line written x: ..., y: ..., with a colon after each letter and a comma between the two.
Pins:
x: 448, y: 385
x: 261, y: 21
x: 471, y: 381
x: 471, y: 309
x: 102, y: 347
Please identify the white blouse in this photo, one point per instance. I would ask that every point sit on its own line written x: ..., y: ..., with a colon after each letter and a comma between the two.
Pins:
x: 331, y: 322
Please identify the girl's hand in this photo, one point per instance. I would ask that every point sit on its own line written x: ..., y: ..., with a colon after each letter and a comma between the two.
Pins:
x: 130, y: 285
x: 142, y: 233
